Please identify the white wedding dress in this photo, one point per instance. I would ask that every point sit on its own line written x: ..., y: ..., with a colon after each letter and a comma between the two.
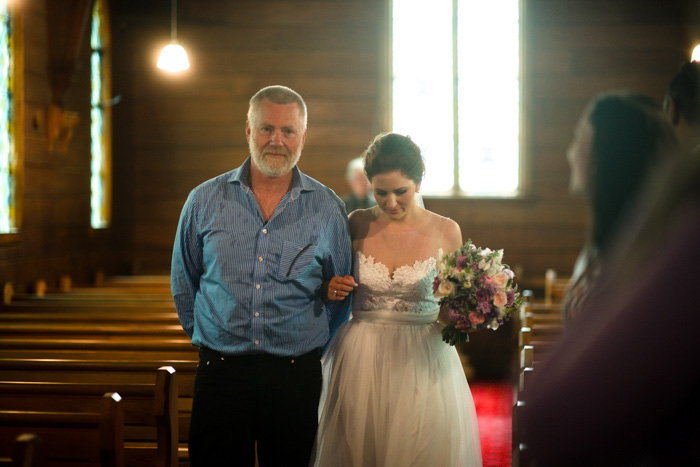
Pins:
x: 394, y: 394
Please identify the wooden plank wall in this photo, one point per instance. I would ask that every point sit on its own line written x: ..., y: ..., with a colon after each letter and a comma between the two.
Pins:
x: 56, y: 238
x: 183, y: 130
x: 173, y: 132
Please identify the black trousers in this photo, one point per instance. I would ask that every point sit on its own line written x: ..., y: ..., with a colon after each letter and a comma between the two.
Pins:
x: 239, y: 400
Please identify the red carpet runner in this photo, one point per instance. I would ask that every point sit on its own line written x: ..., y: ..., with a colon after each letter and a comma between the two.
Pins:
x: 494, y: 404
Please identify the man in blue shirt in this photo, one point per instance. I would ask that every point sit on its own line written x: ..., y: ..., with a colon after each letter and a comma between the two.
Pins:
x: 254, y: 260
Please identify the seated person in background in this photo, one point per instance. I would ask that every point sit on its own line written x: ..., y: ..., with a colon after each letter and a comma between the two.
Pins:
x: 682, y: 106
x: 620, y: 138
x: 360, y: 196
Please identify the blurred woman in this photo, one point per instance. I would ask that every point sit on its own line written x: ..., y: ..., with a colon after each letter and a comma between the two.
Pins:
x: 619, y: 140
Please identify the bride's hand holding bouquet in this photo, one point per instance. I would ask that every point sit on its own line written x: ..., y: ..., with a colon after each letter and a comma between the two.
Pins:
x: 476, y: 291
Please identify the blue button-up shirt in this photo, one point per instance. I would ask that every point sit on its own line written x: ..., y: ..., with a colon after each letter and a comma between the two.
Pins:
x: 245, y: 286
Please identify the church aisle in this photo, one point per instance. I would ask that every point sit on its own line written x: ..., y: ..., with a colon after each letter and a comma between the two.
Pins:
x: 494, y: 403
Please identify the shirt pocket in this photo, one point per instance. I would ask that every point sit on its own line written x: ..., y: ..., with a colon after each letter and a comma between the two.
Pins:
x: 295, y: 259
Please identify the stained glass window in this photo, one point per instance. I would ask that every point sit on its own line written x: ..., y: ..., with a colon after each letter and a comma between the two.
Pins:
x: 8, y: 179
x: 100, y: 121
x: 456, y: 92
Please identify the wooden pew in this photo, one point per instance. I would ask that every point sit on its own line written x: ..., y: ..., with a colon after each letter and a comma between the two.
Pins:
x: 188, y: 354
x: 554, y: 286
x: 72, y: 316
x: 95, y: 438
x: 111, y: 332
x: 111, y: 373
x: 83, y: 328
x: 117, y: 306
x: 150, y: 410
x: 94, y: 295
x: 27, y: 452
x: 540, y: 328
x: 128, y: 343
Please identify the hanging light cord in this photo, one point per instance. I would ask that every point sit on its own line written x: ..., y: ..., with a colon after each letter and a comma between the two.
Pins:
x: 173, y: 21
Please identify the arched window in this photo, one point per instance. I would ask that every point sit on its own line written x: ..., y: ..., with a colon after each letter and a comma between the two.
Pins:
x: 456, y: 92
x: 10, y: 120
x: 100, y: 119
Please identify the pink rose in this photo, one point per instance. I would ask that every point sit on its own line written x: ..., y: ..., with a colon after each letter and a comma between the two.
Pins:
x: 476, y: 317
x: 500, y: 299
x: 501, y: 280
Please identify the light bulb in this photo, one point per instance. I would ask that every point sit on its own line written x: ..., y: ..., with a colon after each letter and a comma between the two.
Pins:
x: 695, y: 57
x: 173, y: 58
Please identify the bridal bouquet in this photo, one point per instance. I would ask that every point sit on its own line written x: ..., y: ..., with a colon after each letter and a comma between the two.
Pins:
x: 476, y: 289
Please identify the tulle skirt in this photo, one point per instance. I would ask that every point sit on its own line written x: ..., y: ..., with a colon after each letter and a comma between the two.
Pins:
x: 395, y: 394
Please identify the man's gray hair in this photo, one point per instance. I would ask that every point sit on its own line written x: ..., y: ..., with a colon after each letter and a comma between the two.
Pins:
x: 280, y: 95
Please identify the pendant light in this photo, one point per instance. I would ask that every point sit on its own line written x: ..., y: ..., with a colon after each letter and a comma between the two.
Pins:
x: 173, y: 57
x: 696, y: 54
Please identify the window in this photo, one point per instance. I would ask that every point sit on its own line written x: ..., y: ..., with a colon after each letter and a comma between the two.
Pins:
x: 456, y: 92
x: 100, y: 119
x: 10, y: 121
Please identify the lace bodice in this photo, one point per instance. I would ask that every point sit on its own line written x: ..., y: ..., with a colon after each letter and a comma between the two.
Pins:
x: 409, y: 289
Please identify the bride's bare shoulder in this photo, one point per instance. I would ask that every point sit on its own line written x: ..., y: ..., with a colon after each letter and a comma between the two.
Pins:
x: 446, y: 229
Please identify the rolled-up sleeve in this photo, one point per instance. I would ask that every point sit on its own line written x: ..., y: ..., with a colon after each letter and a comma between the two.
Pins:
x: 187, y: 264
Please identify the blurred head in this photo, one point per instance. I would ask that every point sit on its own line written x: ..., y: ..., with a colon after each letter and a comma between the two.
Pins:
x: 276, y: 130
x: 683, y: 94
x: 357, y: 180
x: 620, y: 138
x: 395, y: 168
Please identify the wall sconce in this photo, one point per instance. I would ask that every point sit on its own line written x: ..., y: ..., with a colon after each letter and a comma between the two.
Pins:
x: 173, y: 57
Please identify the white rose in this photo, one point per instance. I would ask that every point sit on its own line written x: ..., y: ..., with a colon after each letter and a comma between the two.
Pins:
x: 485, y: 252
x: 499, y: 257
x: 445, y: 289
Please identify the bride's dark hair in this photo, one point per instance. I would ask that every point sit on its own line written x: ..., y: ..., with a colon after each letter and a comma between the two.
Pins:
x: 389, y: 152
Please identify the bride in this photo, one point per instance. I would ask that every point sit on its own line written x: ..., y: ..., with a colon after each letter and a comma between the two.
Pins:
x: 394, y: 393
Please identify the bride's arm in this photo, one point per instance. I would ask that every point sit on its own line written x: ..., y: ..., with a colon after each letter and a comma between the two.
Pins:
x: 451, y: 241
x: 338, y: 288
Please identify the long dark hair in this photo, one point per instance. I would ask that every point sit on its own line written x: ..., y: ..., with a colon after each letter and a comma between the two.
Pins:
x: 630, y: 136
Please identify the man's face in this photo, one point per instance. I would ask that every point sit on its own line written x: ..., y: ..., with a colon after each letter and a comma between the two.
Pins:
x: 276, y: 136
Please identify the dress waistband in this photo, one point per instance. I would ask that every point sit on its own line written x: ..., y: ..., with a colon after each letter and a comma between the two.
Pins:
x: 394, y: 317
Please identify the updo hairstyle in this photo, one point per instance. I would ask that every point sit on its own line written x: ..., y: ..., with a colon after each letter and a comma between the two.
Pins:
x: 389, y: 152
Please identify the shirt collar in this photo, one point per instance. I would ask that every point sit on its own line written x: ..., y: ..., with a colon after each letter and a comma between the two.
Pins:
x: 300, y: 182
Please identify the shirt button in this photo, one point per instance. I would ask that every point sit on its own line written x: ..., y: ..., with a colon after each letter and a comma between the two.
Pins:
x: 257, y: 314
x: 259, y: 258
x: 257, y: 342
x: 257, y: 286
x: 264, y: 231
